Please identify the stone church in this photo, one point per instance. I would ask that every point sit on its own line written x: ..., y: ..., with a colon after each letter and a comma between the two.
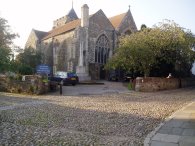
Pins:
x: 82, y: 45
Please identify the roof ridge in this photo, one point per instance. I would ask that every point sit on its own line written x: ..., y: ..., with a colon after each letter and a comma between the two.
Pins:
x: 64, y: 28
x: 118, y: 15
x: 39, y: 30
x: 117, y: 19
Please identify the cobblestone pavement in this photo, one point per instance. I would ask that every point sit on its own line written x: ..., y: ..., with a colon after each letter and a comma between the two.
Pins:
x: 105, y: 119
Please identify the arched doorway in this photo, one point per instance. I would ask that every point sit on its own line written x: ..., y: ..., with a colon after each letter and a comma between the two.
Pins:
x: 102, y: 51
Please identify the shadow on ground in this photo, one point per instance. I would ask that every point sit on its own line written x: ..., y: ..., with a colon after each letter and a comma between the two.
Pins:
x: 51, y: 124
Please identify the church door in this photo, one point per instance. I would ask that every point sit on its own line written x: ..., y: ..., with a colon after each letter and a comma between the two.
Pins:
x: 102, y: 51
x: 102, y: 72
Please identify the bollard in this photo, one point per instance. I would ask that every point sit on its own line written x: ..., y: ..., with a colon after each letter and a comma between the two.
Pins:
x: 61, y: 83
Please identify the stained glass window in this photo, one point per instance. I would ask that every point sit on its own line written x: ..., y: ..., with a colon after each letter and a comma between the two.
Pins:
x: 102, y: 50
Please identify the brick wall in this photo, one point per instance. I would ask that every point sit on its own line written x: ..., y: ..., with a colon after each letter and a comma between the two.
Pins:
x: 150, y: 84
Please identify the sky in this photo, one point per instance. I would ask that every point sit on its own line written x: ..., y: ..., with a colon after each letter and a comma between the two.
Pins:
x: 24, y: 15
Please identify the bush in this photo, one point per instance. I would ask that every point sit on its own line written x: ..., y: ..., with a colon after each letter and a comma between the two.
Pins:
x: 25, y: 70
x: 31, y: 89
x: 130, y: 86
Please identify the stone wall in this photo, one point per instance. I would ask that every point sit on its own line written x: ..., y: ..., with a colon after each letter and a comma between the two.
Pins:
x: 67, y: 51
x: 33, y: 84
x: 32, y: 41
x: 150, y: 84
x: 99, y: 25
x: 3, y: 82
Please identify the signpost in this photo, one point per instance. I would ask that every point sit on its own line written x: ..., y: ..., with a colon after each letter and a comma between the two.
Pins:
x: 43, y: 69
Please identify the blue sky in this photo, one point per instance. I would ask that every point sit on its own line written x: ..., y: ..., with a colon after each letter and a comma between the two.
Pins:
x: 23, y: 15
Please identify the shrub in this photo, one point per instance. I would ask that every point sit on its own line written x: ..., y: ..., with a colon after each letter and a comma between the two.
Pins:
x: 25, y: 70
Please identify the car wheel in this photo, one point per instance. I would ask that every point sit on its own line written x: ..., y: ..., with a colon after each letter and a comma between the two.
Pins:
x: 73, y: 84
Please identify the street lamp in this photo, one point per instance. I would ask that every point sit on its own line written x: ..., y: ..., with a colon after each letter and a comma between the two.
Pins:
x: 179, y: 62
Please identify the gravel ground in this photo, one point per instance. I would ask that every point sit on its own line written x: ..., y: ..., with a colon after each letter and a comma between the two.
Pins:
x: 110, y: 119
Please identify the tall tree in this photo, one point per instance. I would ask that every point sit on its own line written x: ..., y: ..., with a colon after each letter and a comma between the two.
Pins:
x: 6, y: 40
x: 143, y: 50
x: 30, y: 57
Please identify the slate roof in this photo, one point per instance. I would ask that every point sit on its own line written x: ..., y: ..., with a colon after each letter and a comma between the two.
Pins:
x: 116, y: 20
x: 72, y: 14
x: 65, y: 28
x: 40, y: 34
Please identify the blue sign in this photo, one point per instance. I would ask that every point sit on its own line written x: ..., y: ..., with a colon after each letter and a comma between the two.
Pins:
x: 43, y: 69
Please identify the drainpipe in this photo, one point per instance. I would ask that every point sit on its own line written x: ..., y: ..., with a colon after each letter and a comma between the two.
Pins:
x: 113, y: 39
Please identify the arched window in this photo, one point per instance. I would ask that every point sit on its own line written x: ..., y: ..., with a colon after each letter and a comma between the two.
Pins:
x: 102, y: 50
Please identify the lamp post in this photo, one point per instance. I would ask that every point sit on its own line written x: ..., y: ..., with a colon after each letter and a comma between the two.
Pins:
x: 179, y: 62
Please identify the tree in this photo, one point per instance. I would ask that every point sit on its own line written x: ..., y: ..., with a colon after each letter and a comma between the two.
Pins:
x: 6, y: 40
x: 177, y: 49
x: 30, y: 58
x: 143, y: 26
x: 144, y: 50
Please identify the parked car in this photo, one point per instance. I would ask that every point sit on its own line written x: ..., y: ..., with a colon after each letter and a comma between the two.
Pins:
x: 113, y: 76
x: 65, y: 77
x: 72, y: 78
x: 128, y: 77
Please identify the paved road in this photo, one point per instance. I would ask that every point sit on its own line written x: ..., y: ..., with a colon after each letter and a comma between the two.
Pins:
x: 107, y: 87
x: 177, y: 130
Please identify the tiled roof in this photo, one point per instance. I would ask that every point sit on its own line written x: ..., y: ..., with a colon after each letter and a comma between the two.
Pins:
x: 65, y: 28
x: 116, y: 20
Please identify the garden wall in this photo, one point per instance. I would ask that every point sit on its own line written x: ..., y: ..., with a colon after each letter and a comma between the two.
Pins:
x: 30, y: 84
x: 150, y: 84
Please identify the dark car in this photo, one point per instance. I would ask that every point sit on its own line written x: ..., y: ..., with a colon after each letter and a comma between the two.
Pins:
x: 65, y: 77
x: 72, y: 79
x: 113, y: 76
x: 128, y: 77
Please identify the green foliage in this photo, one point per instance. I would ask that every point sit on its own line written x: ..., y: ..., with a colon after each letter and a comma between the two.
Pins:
x: 4, y: 59
x: 27, y: 61
x: 25, y: 69
x: 146, y: 49
x: 130, y: 86
x: 32, y: 89
x: 6, y: 38
x: 143, y: 26
x: 18, y: 77
x: 30, y: 57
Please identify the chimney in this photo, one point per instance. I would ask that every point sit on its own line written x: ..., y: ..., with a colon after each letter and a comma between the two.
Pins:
x: 84, y: 16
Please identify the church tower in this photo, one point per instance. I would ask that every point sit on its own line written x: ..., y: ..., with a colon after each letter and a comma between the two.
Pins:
x: 65, y: 19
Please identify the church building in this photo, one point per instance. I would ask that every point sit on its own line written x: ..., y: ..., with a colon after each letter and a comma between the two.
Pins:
x: 82, y: 45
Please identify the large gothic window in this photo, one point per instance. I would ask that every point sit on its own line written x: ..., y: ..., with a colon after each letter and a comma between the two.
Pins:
x: 102, y: 50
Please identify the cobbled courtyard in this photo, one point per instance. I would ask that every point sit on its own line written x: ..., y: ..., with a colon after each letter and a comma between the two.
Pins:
x: 110, y: 119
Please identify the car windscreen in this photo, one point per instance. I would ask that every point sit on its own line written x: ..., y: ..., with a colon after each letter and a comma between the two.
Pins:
x: 72, y: 75
x: 61, y: 74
